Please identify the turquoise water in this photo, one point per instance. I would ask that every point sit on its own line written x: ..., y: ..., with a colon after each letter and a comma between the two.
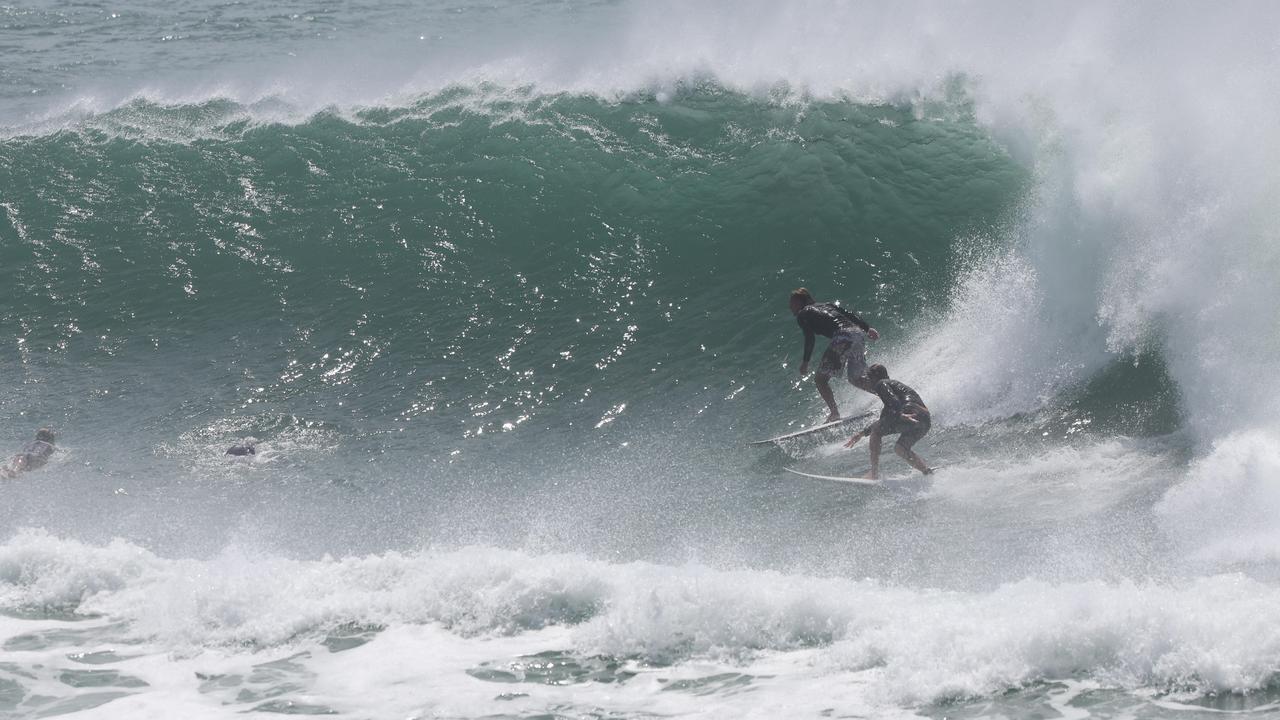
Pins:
x: 501, y: 290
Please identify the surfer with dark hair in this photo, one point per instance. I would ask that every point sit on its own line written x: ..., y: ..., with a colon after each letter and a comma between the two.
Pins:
x: 34, y: 455
x: 904, y: 415
x: 847, y: 350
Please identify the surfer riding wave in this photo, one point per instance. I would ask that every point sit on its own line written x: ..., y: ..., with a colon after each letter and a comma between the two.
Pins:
x: 847, y: 350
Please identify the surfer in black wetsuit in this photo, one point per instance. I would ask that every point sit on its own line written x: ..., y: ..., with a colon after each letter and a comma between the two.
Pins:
x: 848, y: 348
x: 247, y: 446
x: 35, y: 454
x: 904, y: 415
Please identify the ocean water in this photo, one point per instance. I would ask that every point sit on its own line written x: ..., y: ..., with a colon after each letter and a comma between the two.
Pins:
x: 501, y: 290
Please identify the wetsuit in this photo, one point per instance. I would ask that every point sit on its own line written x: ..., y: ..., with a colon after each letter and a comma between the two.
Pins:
x: 848, y: 338
x: 900, y: 399
x: 34, y: 455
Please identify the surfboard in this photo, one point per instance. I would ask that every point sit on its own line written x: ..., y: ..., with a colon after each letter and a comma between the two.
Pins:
x: 833, y: 478
x: 814, y: 429
x: 857, y: 480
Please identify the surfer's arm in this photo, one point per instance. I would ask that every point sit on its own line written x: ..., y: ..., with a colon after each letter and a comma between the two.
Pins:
x: 910, y: 410
x: 863, y: 325
x: 808, y: 347
x: 862, y: 433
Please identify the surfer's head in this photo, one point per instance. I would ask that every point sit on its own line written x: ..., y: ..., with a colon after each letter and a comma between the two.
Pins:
x: 800, y: 299
x: 45, y: 435
x: 877, y: 373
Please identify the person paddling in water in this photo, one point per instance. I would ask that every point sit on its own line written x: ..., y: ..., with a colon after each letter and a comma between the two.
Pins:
x: 34, y: 455
x: 848, y: 348
x: 904, y: 415
x: 247, y: 446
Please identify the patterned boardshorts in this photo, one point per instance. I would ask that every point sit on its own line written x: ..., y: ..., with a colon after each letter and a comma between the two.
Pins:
x: 848, y: 350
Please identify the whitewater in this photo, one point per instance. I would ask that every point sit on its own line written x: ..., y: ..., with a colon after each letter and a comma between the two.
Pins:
x: 501, y: 291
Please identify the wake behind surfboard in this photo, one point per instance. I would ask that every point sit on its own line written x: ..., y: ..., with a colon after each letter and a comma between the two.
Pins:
x: 814, y: 429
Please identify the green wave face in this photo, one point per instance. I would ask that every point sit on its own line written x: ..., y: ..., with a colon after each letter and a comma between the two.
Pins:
x: 480, y: 260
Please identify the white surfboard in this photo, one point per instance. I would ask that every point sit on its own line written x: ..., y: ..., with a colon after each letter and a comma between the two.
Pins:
x: 857, y: 480
x: 833, y: 478
x: 814, y: 429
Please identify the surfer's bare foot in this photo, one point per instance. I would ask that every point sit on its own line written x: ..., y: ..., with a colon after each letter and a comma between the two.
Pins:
x: 832, y: 417
x: 870, y: 476
x: 927, y: 471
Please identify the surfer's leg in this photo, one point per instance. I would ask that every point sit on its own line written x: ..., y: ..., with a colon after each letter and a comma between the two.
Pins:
x: 855, y: 360
x: 913, y: 458
x: 865, y: 384
x: 909, y: 438
x: 829, y: 397
x: 830, y: 365
x: 873, y: 444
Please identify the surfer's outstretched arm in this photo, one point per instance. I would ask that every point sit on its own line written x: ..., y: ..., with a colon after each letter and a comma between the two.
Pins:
x: 865, y: 432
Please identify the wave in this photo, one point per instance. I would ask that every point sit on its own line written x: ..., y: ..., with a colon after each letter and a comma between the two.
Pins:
x: 1082, y: 280
x: 1021, y: 259
x: 525, y: 289
x: 468, y: 254
x: 1195, y: 636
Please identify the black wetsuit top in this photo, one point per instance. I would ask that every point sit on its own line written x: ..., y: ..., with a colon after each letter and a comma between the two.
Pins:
x: 35, y: 454
x: 896, y: 397
x: 825, y: 319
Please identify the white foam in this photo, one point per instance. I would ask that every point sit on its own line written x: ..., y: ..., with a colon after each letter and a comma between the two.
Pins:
x: 1227, y: 510
x: 1057, y: 485
x: 447, y: 611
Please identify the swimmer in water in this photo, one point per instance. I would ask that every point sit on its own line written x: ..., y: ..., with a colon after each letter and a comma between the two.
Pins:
x: 247, y: 446
x: 34, y: 455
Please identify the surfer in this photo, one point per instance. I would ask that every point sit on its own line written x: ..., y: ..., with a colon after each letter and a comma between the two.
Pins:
x: 247, y: 446
x: 904, y: 415
x: 848, y: 347
x: 34, y: 455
